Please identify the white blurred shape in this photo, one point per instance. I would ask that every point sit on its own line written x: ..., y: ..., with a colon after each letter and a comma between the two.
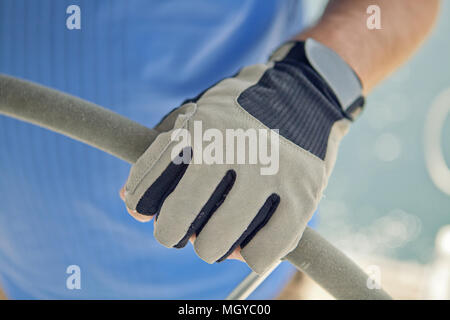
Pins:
x: 439, y: 283
x: 396, y: 228
x: 434, y: 158
x: 443, y: 241
x: 387, y: 147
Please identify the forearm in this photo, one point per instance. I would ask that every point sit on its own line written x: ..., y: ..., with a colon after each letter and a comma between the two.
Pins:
x: 374, y: 54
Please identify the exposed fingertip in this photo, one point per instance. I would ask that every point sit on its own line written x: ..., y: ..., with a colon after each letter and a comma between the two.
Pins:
x: 122, y: 194
x: 139, y: 217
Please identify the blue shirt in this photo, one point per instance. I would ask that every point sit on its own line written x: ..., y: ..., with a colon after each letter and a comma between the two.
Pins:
x: 59, y: 198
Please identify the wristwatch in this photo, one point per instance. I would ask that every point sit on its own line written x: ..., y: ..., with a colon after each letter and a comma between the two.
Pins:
x: 337, y: 74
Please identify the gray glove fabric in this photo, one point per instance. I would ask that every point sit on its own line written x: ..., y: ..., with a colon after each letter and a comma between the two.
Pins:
x: 227, y: 205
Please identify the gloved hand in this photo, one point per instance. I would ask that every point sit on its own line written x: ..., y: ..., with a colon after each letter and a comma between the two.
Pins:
x: 310, y: 95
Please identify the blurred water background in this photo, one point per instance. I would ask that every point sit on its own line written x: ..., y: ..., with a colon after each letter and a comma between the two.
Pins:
x: 381, y: 198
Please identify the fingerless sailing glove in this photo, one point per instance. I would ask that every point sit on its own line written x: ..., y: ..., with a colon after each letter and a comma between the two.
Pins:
x: 304, y: 98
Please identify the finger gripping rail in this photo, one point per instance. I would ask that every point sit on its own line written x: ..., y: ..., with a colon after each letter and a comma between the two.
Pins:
x: 127, y: 140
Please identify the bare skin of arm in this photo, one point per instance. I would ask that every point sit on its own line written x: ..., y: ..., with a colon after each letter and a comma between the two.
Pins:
x: 373, y: 54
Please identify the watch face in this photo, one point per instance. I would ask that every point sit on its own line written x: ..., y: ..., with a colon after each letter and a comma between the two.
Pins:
x: 337, y: 74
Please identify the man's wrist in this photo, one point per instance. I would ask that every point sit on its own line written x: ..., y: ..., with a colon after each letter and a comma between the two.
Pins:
x: 373, y: 54
x: 344, y: 47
